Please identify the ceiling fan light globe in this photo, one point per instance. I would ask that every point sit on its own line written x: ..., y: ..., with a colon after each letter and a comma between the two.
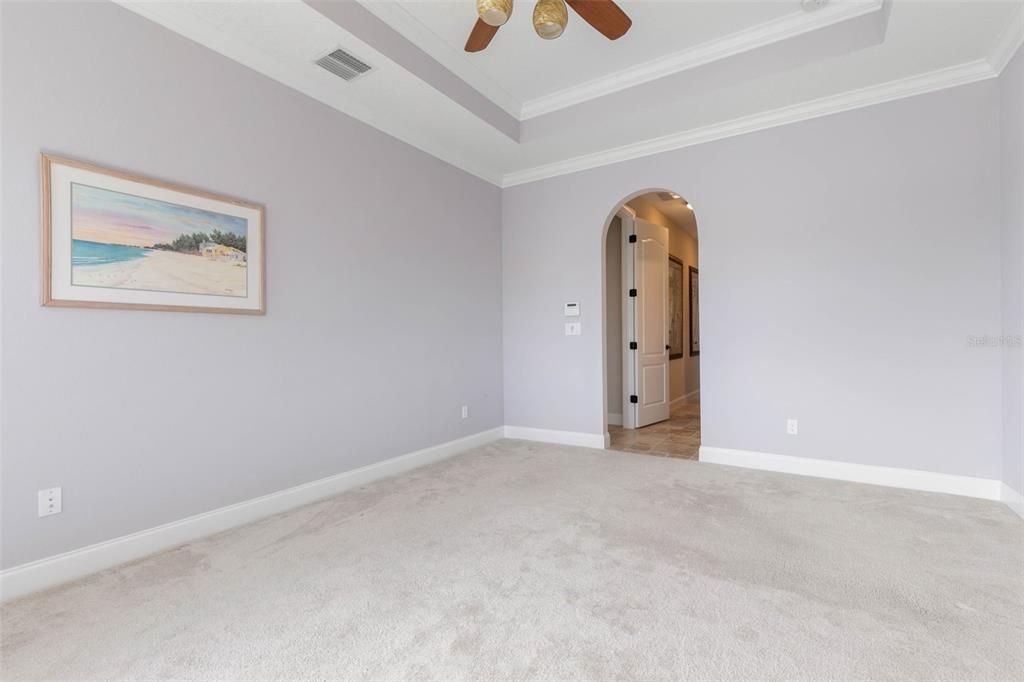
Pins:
x: 494, y: 12
x: 548, y: 30
x: 550, y: 18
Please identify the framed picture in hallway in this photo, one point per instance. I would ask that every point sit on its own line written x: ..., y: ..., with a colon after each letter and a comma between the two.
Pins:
x: 676, y: 298
x: 694, y: 313
x: 117, y: 240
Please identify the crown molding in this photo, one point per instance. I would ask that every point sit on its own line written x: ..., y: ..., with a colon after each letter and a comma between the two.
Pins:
x: 199, y: 30
x: 970, y: 72
x: 1009, y: 43
x: 777, y: 30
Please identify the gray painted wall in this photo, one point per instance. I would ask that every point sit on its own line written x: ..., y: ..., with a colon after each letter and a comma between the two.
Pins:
x: 1012, y: 126
x: 845, y: 261
x: 383, y: 273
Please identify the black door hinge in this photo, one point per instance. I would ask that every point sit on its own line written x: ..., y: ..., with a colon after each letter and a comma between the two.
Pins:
x: 632, y: 292
x: 632, y: 239
x: 634, y: 399
x: 632, y: 345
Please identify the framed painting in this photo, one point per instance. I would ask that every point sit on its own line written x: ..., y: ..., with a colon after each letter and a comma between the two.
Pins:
x: 118, y: 240
x: 694, y: 313
x: 676, y: 285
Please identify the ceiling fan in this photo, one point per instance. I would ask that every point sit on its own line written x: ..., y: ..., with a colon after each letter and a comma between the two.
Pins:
x: 549, y: 19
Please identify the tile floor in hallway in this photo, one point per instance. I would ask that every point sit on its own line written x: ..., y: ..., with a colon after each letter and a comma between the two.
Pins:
x: 679, y: 436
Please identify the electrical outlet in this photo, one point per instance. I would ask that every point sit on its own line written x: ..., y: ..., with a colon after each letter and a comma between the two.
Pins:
x: 465, y: 411
x: 792, y: 427
x: 49, y: 502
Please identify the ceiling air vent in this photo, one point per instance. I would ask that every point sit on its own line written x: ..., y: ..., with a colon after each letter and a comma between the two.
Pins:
x: 343, y: 65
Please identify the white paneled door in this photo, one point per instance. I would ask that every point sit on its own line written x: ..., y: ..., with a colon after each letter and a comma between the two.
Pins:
x: 647, y: 318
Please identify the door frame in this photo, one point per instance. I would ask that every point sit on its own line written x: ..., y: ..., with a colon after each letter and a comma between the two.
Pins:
x: 628, y: 227
x: 608, y: 296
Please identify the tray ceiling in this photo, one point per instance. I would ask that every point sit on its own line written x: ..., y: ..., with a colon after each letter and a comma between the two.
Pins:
x: 687, y: 72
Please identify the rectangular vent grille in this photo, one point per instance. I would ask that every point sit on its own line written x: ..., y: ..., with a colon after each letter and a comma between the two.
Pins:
x: 343, y: 65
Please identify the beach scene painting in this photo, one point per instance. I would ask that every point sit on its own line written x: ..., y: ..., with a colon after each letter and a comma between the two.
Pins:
x: 128, y: 242
x: 124, y: 241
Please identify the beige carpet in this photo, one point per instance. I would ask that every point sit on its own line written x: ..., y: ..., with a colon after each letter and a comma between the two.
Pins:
x: 529, y: 561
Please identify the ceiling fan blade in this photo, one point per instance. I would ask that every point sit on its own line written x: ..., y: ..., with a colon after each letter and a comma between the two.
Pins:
x: 604, y: 15
x: 480, y: 36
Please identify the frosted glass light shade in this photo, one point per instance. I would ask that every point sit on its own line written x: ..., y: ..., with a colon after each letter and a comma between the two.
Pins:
x: 550, y: 18
x: 494, y: 12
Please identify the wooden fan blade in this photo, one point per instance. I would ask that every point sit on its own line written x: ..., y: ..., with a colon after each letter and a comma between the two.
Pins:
x: 604, y: 15
x: 480, y: 36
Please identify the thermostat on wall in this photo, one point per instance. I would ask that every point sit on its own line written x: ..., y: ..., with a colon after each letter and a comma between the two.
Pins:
x: 572, y: 309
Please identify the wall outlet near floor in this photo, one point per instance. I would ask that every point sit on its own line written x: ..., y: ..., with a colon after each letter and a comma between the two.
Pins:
x: 465, y: 411
x: 792, y: 428
x: 49, y: 502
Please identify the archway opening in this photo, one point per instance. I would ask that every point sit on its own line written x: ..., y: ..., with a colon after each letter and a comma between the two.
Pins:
x: 652, y: 325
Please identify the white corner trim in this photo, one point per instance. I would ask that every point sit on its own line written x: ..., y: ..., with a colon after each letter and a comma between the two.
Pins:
x: 1012, y: 499
x: 988, y: 489
x: 78, y: 563
x: 777, y: 30
x: 1009, y: 43
x: 587, y: 440
x: 614, y: 419
x: 953, y: 76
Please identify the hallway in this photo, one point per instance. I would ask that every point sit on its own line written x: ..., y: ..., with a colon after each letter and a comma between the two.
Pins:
x: 678, y: 437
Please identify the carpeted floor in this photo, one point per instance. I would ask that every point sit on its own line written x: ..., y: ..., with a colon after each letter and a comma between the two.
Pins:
x: 530, y: 561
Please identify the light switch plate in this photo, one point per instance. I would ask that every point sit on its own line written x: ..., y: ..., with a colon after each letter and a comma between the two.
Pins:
x: 49, y: 502
x: 573, y: 329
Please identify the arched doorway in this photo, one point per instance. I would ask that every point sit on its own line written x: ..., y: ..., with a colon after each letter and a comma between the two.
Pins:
x: 652, y: 331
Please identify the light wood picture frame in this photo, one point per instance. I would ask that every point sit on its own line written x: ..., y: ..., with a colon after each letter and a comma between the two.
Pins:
x: 112, y: 239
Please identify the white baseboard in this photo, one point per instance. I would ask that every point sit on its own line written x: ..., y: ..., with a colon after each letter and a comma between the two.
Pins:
x: 984, y: 488
x: 78, y: 563
x: 614, y: 419
x: 1012, y: 499
x: 588, y: 440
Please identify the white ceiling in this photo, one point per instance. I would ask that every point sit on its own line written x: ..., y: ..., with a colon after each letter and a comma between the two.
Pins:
x: 687, y: 72
x: 526, y: 68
